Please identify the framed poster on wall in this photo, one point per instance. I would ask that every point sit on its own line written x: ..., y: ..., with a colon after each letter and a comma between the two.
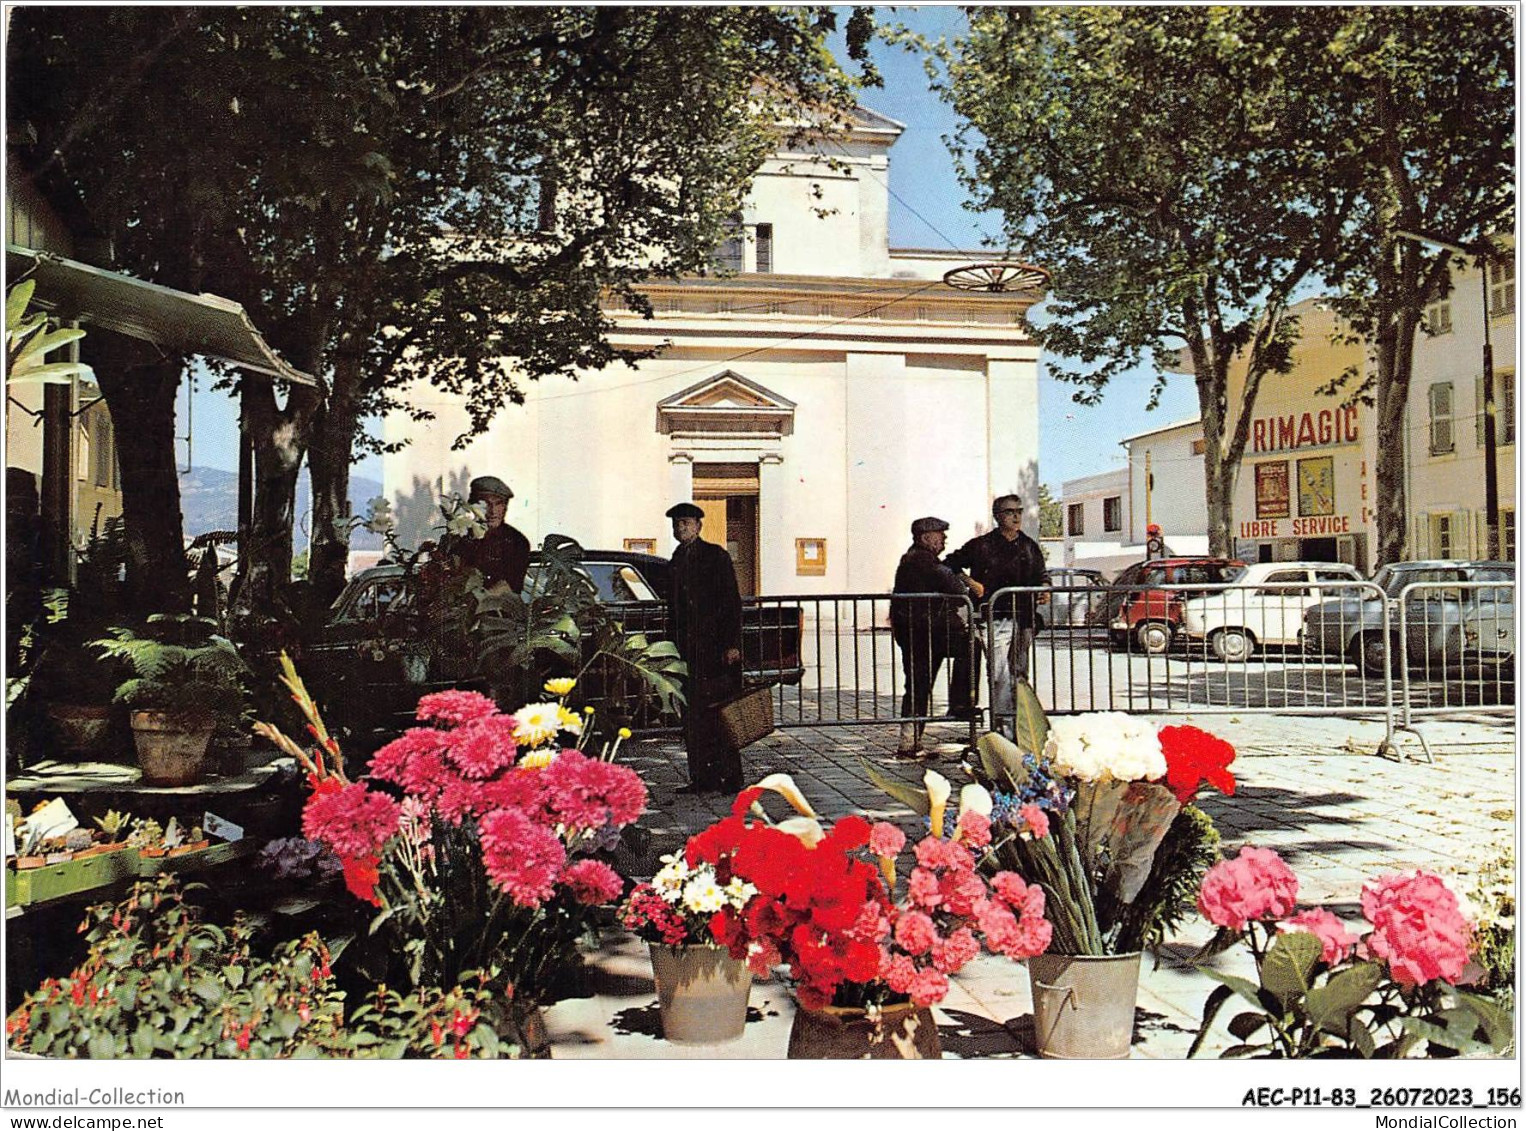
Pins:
x: 1272, y: 489
x: 1316, y: 485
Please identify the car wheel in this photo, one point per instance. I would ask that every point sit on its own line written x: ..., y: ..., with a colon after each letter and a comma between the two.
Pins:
x: 1369, y: 654
x: 1233, y: 645
x: 1154, y: 638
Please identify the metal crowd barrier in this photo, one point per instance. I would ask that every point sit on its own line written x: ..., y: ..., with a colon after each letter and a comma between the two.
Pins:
x: 1327, y: 647
x: 1453, y: 649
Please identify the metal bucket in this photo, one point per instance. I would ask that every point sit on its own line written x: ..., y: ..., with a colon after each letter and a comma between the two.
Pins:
x: 702, y: 992
x: 1083, y: 1006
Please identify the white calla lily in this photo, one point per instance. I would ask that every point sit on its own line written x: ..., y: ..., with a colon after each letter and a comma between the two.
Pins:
x: 785, y: 787
x: 974, y: 797
x: 807, y: 830
x: 938, y: 791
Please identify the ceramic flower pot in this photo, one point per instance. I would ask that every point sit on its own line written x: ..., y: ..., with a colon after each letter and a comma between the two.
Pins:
x: 893, y: 1032
x: 172, y: 749
x: 1083, y: 1005
x: 702, y: 992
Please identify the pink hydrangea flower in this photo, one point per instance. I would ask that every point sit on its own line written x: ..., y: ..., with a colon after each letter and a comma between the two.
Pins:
x: 915, y: 933
x: 521, y: 858
x: 593, y: 882
x: 454, y: 707
x: 1254, y: 885
x: 886, y: 840
x: 1327, y: 927
x: 1417, y: 927
x: 974, y: 828
x: 351, y: 820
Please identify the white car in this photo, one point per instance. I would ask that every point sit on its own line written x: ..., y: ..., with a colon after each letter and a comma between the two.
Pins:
x: 1264, y: 606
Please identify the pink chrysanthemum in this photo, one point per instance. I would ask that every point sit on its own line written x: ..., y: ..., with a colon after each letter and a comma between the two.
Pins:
x: 517, y: 789
x: 593, y: 882
x: 459, y: 798
x: 886, y: 840
x: 424, y: 774
x: 454, y: 707
x: 915, y: 933
x: 586, y: 793
x: 483, y: 746
x: 521, y: 859
x: 1417, y: 927
x: 1253, y: 886
x: 1337, y: 942
x: 351, y: 820
x: 391, y: 762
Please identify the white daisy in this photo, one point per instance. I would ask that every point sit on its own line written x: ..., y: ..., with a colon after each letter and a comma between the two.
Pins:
x: 537, y: 723
x: 703, y: 895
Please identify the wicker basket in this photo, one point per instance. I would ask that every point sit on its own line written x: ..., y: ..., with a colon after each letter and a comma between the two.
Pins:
x: 744, y: 719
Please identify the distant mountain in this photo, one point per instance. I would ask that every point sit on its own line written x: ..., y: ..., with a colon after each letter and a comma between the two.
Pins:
x: 209, y: 501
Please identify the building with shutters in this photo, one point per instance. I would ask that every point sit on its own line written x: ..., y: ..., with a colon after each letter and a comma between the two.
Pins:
x: 813, y: 403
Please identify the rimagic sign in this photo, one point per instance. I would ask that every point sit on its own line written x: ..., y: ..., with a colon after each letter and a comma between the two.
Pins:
x: 1319, y: 526
x: 1304, y: 430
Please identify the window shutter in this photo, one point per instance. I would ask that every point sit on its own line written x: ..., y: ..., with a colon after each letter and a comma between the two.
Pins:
x: 765, y: 249
x: 1441, y: 418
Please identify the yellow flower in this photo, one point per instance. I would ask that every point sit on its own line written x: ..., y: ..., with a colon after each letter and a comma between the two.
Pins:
x: 569, y: 721
x: 624, y: 732
x: 560, y: 686
x: 538, y: 759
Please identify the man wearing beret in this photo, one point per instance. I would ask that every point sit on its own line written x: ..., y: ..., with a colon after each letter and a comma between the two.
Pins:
x: 502, y: 555
x: 926, y: 630
x: 705, y: 612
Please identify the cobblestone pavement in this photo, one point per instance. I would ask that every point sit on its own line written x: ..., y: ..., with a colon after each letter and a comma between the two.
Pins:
x: 1313, y: 788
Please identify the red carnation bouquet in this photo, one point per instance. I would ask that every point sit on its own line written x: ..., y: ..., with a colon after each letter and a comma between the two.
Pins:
x: 825, y: 903
x: 481, y: 847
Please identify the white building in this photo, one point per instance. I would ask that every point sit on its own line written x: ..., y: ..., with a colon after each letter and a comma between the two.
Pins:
x: 1444, y: 432
x: 1094, y: 510
x: 813, y: 404
x: 1165, y: 485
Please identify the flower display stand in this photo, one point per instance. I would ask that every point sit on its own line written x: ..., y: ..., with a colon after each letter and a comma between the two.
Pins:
x: 29, y: 886
x: 893, y: 1032
x: 1083, y: 1005
x: 194, y: 860
x: 702, y: 993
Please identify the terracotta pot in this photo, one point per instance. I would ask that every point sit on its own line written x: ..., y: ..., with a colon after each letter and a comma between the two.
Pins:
x: 702, y: 992
x: 172, y: 749
x: 1083, y: 1005
x: 894, y: 1032
x: 80, y: 728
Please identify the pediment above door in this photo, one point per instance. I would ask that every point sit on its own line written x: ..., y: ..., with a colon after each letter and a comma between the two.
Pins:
x: 726, y: 403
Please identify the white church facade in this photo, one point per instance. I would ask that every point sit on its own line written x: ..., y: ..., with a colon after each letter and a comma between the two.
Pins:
x: 813, y: 403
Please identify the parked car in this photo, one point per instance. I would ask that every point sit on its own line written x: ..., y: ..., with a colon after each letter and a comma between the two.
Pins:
x: 1143, y: 609
x: 360, y: 640
x: 1352, y: 625
x: 1263, y: 606
x: 1075, y: 594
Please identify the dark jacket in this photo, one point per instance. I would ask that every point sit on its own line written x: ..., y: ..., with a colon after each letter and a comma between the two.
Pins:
x: 705, y: 607
x: 999, y: 564
x: 502, y: 554
x: 920, y: 571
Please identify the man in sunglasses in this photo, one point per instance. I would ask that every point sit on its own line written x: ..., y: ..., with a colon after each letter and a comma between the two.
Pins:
x: 1002, y: 558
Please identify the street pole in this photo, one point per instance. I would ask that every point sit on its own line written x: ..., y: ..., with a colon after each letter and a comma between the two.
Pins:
x: 1491, y: 441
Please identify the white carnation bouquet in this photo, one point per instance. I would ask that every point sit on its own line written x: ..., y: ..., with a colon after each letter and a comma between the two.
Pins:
x: 676, y: 907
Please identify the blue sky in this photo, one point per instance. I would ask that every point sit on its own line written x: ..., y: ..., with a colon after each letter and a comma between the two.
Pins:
x: 926, y: 210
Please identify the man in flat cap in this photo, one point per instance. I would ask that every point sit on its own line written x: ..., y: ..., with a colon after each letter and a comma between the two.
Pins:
x: 502, y: 555
x: 1002, y: 558
x: 705, y: 612
x: 927, y: 630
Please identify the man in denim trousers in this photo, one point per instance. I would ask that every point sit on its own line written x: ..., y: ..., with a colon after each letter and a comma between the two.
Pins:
x: 1003, y: 558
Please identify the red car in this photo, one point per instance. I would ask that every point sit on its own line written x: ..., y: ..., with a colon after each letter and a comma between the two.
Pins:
x: 1143, y: 610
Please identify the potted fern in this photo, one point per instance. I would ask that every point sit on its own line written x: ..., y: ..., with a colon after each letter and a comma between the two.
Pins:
x: 184, y: 679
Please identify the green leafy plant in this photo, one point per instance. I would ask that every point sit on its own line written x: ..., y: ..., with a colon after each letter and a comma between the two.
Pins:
x: 30, y: 336
x: 179, y: 665
x: 157, y: 981
x: 114, y: 824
